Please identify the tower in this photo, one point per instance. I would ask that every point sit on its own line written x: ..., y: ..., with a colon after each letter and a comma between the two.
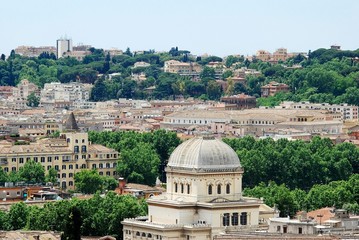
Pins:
x: 63, y: 45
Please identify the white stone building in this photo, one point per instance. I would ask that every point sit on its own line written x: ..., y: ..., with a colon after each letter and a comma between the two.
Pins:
x: 203, y: 198
x: 65, y: 92
x: 348, y: 112
x: 63, y: 46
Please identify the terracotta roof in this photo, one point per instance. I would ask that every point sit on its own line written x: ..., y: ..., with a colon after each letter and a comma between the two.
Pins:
x: 327, y: 213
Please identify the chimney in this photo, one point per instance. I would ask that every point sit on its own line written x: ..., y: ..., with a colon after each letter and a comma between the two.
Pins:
x: 121, y: 184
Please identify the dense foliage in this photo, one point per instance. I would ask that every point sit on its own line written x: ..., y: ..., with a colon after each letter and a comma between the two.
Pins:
x: 340, y: 194
x: 143, y: 156
x: 327, y: 75
x: 297, y: 164
x: 98, y: 216
x: 90, y: 181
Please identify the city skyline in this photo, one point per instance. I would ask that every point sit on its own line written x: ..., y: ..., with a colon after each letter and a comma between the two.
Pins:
x: 216, y: 28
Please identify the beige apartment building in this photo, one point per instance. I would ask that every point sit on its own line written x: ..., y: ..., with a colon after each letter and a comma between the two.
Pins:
x: 182, y: 68
x: 31, y: 51
x: 68, y: 154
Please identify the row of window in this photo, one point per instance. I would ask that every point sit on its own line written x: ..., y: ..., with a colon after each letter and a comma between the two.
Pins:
x: 232, y: 220
x: 101, y: 165
x: 83, y: 149
x: 76, y: 140
x: 219, y: 189
x: 144, y: 235
x: 182, y: 187
x: 63, y: 175
x: 190, y: 121
x: 42, y: 159
x: 70, y: 166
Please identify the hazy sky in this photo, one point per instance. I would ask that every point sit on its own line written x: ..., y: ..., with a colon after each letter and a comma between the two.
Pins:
x: 220, y: 27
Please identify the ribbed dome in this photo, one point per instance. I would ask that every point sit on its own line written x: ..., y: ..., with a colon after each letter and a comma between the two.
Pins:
x: 204, y: 154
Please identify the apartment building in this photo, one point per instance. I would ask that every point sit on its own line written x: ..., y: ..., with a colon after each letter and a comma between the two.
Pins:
x: 239, y: 102
x: 256, y: 121
x: 281, y: 54
x: 273, y: 88
x: 21, y: 92
x: 31, y: 51
x: 71, y: 92
x: 348, y: 112
x: 182, y: 68
x: 68, y: 154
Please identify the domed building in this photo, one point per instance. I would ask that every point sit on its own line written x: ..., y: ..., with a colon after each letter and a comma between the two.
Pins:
x: 203, y: 197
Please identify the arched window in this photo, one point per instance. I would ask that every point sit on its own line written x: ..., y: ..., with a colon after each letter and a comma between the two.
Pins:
x: 182, y: 188
x: 210, y: 189
x: 219, y: 189
x: 188, y: 188
x: 228, y: 188
x: 176, y: 187
x: 71, y: 183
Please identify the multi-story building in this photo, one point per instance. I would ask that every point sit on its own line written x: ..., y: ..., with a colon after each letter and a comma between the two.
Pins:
x: 63, y: 45
x: 256, y: 121
x: 114, y: 52
x: 6, y: 91
x: 30, y: 51
x: 272, y: 88
x: 22, y: 91
x: 239, y: 102
x: 281, y: 54
x: 263, y: 55
x: 70, y: 92
x: 182, y: 68
x: 79, y: 55
x: 68, y: 154
x: 348, y: 112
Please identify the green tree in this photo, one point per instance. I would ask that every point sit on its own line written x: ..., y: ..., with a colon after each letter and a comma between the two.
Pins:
x: 207, y: 72
x: 214, y: 90
x: 17, y: 216
x: 140, y: 164
x: 33, y: 100
x: 99, y: 91
x: 110, y: 183
x: 72, y: 229
x: 32, y: 172
x: 3, y: 176
x: 128, y: 52
x: 88, y: 181
x: 51, y: 176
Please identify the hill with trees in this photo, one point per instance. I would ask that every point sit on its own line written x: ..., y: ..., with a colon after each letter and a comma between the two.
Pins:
x: 326, y: 75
